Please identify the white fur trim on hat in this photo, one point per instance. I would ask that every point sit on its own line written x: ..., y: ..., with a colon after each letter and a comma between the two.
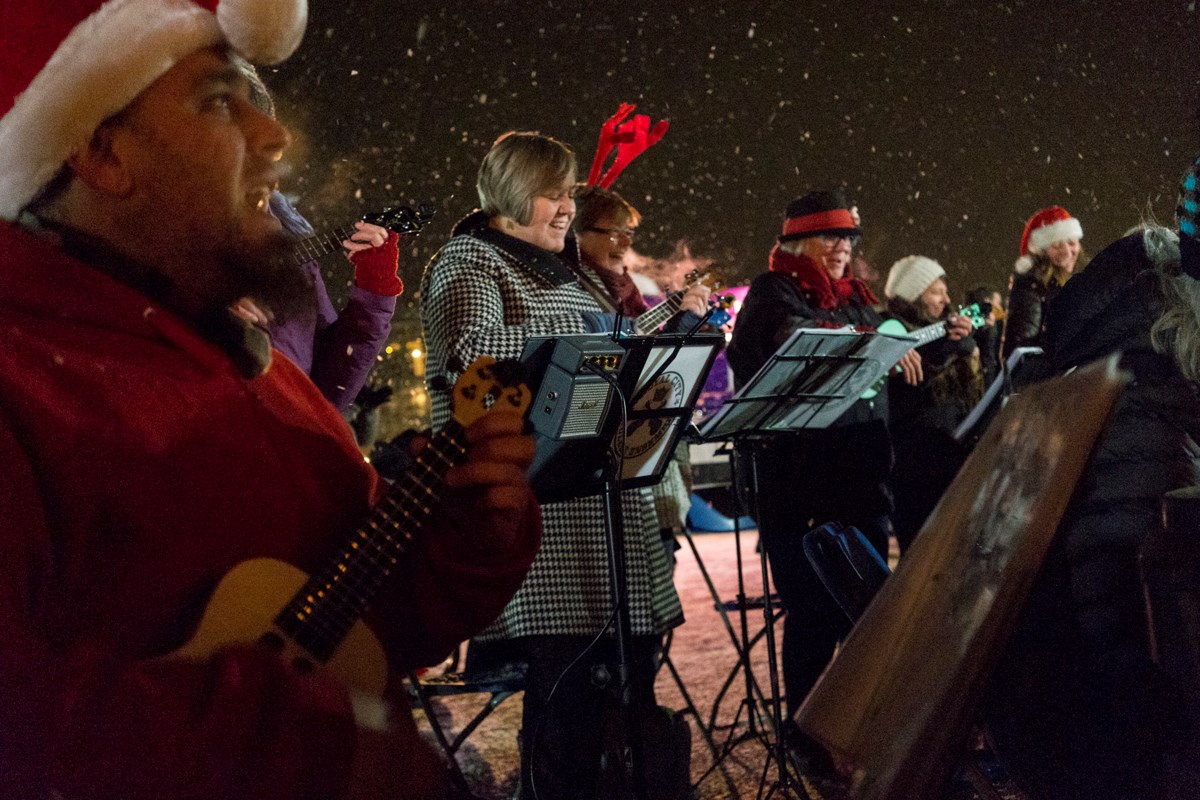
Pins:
x: 911, y: 276
x: 1043, y: 237
x: 1023, y: 264
x: 264, y: 31
x: 107, y: 60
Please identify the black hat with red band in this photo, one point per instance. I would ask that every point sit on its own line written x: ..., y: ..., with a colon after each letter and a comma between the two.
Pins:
x: 819, y: 212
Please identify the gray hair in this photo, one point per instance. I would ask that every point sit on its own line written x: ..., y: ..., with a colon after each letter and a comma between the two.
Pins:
x: 521, y: 165
x: 1176, y: 332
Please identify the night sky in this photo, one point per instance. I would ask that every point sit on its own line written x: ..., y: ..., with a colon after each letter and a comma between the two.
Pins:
x: 948, y: 123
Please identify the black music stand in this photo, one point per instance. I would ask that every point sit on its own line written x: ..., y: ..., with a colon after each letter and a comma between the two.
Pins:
x: 661, y: 377
x: 808, y: 383
x: 623, y: 444
x: 976, y: 422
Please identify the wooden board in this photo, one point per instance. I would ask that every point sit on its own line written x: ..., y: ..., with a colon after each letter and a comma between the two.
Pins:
x: 895, y: 705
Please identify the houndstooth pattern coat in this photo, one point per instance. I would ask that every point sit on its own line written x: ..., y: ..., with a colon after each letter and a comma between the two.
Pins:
x: 485, y: 293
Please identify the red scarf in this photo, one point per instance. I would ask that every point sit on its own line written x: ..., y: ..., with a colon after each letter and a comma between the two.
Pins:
x: 624, y: 291
x: 823, y: 291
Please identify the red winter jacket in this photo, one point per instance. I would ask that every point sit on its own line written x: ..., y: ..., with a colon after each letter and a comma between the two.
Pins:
x: 136, y: 468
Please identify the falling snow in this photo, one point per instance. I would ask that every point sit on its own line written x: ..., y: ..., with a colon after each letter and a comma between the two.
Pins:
x: 947, y: 130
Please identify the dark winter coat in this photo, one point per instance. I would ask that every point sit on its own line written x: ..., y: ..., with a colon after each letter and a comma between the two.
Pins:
x: 923, y: 419
x: 951, y: 384
x: 834, y: 471
x: 806, y: 479
x: 988, y: 340
x: 1027, y: 311
x: 1085, y: 711
x: 775, y: 306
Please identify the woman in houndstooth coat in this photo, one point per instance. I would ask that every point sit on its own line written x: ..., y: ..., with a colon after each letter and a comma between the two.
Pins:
x: 509, y: 273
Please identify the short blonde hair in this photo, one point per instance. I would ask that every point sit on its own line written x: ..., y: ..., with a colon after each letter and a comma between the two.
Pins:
x: 521, y: 165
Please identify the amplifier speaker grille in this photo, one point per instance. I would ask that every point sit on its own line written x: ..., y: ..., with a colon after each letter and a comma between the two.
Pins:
x: 589, y: 404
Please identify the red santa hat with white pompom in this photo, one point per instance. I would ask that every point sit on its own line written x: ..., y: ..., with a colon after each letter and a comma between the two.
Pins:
x: 1044, y: 228
x: 67, y: 65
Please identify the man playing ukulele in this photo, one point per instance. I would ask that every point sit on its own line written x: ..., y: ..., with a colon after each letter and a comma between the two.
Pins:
x: 149, y: 443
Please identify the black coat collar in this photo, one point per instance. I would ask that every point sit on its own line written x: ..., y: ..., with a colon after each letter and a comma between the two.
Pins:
x: 557, y: 268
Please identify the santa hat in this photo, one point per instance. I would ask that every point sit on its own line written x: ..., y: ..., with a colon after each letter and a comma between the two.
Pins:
x: 911, y: 276
x: 68, y: 65
x: 1044, y: 228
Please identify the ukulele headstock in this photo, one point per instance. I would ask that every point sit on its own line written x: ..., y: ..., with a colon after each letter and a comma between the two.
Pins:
x: 489, y: 386
x: 709, y: 279
x: 404, y: 220
x: 720, y: 305
x: 717, y: 304
x: 977, y: 315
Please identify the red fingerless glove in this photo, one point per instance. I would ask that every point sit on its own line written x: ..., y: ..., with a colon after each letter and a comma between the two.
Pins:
x: 375, y: 269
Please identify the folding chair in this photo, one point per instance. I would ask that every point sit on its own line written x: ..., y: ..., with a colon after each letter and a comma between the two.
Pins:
x: 498, y: 684
x: 849, y: 566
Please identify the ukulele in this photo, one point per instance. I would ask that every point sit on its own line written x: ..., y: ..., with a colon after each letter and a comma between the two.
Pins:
x: 652, y: 318
x: 930, y: 333
x: 316, y: 620
x: 403, y: 220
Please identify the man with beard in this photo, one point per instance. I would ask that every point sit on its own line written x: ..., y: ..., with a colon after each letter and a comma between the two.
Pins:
x: 150, y: 443
x: 336, y: 348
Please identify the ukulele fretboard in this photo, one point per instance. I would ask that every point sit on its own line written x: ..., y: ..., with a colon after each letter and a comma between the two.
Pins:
x: 330, y: 603
x: 322, y: 244
x: 650, y: 319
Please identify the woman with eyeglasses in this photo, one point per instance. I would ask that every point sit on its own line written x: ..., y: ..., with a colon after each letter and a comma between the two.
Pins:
x: 509, y: 273
x: 605, y: 225
x: 806, y: 479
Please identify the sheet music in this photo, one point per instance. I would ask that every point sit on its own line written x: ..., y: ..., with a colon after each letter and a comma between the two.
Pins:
x: 809, y: 382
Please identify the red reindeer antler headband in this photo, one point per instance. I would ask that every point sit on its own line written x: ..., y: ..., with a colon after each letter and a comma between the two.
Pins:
x: 630, y: 138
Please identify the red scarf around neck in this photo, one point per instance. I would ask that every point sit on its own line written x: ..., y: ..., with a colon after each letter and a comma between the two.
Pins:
x: 624, y: 291
x: 814, y: 281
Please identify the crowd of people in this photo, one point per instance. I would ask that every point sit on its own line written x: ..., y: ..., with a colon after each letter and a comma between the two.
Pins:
x: 171, y: 382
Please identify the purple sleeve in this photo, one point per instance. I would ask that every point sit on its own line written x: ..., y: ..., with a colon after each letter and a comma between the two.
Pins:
x: 294, y: 338
x: 344, y: 350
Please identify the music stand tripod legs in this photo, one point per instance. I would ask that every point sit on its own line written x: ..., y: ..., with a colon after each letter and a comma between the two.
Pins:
x: 763, y: 718
x: 787, y: 784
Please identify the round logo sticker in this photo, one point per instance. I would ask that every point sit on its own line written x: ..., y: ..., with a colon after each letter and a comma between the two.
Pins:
x: 644, y: 434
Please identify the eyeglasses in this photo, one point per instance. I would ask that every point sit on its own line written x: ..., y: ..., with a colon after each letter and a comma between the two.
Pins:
x: 831, y: 239
x: 616, y: 234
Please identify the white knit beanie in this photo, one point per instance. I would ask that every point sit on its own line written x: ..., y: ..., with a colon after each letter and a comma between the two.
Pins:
x: 911, y: 276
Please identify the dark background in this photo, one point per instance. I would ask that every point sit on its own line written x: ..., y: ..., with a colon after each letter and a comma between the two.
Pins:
x: 948, y: 123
